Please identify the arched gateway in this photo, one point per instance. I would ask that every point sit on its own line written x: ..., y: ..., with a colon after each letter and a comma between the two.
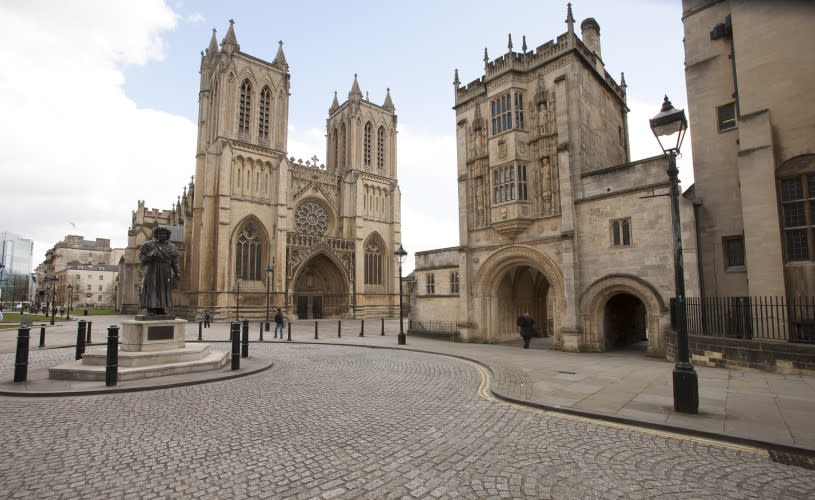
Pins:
x: 320, y: 289
x: 513, y: 281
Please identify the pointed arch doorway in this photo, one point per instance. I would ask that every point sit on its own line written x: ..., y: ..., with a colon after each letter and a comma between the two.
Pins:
x: 320, y: 289
x: 521, y: 289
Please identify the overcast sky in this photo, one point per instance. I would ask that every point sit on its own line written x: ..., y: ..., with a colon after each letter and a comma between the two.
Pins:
x: 99, y: 99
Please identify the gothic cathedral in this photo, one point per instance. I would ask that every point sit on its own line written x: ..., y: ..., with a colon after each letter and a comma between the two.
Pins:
x: 320, y: 237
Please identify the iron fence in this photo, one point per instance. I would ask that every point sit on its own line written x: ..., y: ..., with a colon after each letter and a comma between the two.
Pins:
x: 442, y: 327
x: 789, y: 319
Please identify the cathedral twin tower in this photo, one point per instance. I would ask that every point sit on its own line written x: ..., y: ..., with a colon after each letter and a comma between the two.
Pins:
x: 320, y: 237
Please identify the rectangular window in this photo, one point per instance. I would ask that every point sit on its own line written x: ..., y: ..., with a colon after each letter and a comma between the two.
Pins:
x: 101, y: 277
x: 431, y: 284
x: 727, y: 116
x: 798, y: 216
x: 76, y: 276
x: 509, y: 183
x: 501, y: 112
x: 734, y: 251
x: 454, y: 282
x: 100, y: 298
x: 89, y: 288
x: 621, y: 232
x: 90, y: 276
x: 100, y: 288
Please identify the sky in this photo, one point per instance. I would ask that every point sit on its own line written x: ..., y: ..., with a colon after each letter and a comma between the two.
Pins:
x: 99, y: 98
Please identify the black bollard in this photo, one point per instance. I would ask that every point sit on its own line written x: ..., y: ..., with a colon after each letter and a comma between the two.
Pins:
x: 245, y: 343
x: 260, y: 338
x: 88, y: 341
x: 289, y: 339
x: 80, y: 339
x: 362, y: 328
x: 235, y: 336
x: 339, y: 328
x: 21, y: 362
x: 42, y: 335
x: 383, y: 327
x: 112, y: 362
x: 200, y: 330
x: 315, y: 331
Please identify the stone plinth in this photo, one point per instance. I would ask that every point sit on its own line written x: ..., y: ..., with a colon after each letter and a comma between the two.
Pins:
x: 149, y: 347
x: 152, y: 335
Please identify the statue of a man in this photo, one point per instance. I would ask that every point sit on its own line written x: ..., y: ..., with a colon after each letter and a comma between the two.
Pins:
x: 159, y: 260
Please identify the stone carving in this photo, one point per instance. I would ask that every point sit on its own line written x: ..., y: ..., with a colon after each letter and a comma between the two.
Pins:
x: 311, y: 218
x: 159, y: 260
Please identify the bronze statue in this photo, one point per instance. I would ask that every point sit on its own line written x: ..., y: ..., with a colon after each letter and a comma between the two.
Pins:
x: 159, y: 259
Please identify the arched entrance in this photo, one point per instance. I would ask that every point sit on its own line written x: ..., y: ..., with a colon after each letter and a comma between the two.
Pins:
x: 624, y: 321
x: 521, y: 289
x: 621, y: 310
x: 320, y: 289
x: 512, y: 281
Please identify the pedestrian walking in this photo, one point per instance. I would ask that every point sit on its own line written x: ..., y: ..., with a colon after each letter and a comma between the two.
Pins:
x: 527, y: 325
x: 278, y: 323
x: 207, y: 317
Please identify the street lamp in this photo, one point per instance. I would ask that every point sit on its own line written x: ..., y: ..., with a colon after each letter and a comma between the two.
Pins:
x: 70, y: 301
x: 53, y: 280
x: 269, y: 271
x: 400, y: 257
x: 670, y: 124
x: 238, y: 302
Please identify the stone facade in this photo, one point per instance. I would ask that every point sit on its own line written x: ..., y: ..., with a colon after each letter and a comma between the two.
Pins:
x: 554, y: 218
x: 321, y: 237
x: 753, y: 149
x: 92, y: 286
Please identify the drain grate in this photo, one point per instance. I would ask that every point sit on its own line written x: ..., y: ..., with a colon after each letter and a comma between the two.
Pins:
x: 795, y: 460
x: 567, y: 373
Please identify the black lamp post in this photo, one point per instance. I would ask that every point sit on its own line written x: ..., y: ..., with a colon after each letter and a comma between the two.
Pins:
x: 53, y: 280
x: 70, y: 301
x: 269, y: 271
x: 400, y: 257
x: 238, y: 302
x: 670, y: 124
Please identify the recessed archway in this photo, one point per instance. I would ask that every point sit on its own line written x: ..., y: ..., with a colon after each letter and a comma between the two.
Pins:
x: 624, y: 321
x: 320, y: 289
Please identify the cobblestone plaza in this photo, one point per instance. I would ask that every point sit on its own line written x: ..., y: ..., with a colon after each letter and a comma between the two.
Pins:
x: 336, y: 421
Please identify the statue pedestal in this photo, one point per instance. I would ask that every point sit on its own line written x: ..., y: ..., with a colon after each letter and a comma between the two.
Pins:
x: 153, y: 335
x: 150, y: 346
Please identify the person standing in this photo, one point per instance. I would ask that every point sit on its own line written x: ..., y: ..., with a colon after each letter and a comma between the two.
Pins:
x: 207, y: 317
x: 527, y: 325
x: 278, y: 323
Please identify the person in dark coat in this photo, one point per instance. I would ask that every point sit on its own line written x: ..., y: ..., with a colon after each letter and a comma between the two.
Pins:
x: 527, y: 325
x: 207, y: 318
x: 278, y: 323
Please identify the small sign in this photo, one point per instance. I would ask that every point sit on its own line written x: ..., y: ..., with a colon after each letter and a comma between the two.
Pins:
x: 160, y: 332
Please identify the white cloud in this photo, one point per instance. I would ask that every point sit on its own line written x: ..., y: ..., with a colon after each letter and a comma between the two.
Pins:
x: 78, y: 149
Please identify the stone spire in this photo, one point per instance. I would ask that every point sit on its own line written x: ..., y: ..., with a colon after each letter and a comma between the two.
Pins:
x: 355, y: 94
x: 569, y: 19
x: 486, y: 59
x: 388, y: 105
x: 456, y: 81
x: 211, y: 51
x: 509, y: 42
x: 523, y: 45
x: 230, y: 41
x: 280, y: 58
x: 334, y: 105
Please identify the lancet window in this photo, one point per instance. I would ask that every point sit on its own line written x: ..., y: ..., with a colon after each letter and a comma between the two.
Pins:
x: 248, y: 253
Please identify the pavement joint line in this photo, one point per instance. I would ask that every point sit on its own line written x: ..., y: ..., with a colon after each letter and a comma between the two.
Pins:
x: 485, y: 393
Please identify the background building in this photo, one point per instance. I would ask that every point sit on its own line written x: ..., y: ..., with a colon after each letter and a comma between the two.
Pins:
x: 90, y: 286
x: 74, y: 250
x: 554, y: 217
x: 15, y: 274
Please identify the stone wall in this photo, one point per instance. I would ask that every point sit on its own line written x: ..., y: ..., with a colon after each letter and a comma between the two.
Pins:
x: 781, y: 357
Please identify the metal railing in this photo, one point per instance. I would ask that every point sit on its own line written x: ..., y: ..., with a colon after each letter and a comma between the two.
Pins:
x: 434, y: 327
x: 790, y: 319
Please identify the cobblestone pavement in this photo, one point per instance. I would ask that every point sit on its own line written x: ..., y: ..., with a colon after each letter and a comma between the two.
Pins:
x: 344, y: 422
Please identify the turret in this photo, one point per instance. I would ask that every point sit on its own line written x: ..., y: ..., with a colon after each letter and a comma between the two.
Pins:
x: 591, y: 35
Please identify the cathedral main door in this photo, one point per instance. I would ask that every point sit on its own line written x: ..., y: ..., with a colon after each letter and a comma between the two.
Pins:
x: 320, y: 290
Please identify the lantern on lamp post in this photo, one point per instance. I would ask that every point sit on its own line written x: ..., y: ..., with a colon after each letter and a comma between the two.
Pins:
x: 669, y: 127
x: 400, y: 254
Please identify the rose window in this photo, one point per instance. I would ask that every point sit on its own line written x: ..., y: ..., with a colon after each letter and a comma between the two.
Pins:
x: 311, y: 218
